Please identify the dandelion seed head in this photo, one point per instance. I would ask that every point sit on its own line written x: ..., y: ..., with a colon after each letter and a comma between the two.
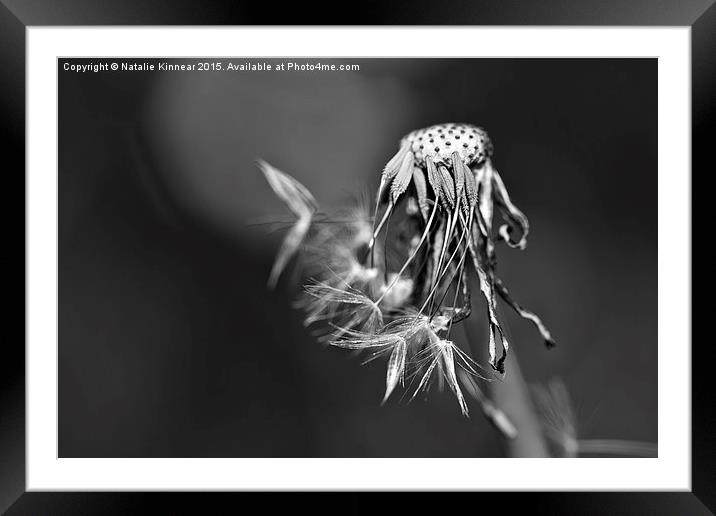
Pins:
x: 392, y: 280
x: 439, y: 142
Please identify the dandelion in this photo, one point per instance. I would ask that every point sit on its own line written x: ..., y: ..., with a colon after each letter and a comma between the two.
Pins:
x: 455, y: 160
x: 393, y: 281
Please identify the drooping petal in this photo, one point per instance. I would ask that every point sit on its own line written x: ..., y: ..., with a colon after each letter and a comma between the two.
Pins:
x: 500, y: 366
x: 492, y: 346
x: 301, y: 202
x: 524, y: 313
x: 511, y: 212
x: 485, y: 207
x: 488, y: 291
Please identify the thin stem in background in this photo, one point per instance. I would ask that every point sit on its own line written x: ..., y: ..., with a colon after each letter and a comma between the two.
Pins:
x: 617, y: 447
x: 512, y: 396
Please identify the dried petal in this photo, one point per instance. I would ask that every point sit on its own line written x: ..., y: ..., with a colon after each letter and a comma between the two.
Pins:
x: 488, y: 291
x: 483, y: 214
x: 483, y: 178
x: 505, y: 295
x: 511, y: 212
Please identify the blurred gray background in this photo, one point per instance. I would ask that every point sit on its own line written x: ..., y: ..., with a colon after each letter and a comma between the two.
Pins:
x: 171, y: 345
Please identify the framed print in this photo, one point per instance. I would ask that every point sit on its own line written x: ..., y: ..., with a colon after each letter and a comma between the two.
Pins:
x: 451, y: 256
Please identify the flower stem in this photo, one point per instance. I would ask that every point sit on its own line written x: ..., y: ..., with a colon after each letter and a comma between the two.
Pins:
x: 511, y: 395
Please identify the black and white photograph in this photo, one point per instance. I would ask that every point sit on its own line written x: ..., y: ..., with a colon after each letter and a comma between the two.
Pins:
x: 357, y: 257
x: 439, y: 248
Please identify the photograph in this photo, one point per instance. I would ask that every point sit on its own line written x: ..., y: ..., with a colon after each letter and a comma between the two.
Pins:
x: 357, y: 257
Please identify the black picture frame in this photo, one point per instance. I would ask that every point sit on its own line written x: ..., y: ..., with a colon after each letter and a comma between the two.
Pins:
x: 17, y: 15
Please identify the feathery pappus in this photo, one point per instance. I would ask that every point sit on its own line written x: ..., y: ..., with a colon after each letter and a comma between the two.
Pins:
x: 392, y: 279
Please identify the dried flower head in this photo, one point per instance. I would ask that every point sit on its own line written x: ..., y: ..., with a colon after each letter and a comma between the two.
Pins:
x: 398, y: 291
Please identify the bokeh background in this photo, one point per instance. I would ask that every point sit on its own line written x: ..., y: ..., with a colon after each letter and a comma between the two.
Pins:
x: 170, y: 344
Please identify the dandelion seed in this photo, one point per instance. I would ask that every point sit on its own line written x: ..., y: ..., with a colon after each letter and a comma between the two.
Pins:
x: 396, y: 368
x: 300, y: 201
x: 442, y: 358
x: 346, y: 308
